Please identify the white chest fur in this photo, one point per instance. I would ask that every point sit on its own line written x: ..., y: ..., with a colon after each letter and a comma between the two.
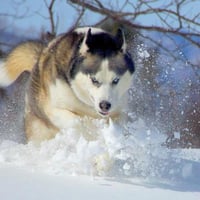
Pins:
x: 64, y: 107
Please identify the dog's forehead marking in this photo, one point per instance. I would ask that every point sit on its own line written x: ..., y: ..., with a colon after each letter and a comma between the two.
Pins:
x: 110, y: 68
x: 104, y: 73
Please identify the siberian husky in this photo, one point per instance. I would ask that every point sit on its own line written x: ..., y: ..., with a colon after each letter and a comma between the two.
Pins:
x: 85, y: 72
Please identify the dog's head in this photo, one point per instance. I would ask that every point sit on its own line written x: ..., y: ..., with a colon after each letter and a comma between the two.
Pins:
x: 101, y: 72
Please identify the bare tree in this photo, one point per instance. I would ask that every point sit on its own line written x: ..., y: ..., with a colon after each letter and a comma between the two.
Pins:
x: 128, y: 13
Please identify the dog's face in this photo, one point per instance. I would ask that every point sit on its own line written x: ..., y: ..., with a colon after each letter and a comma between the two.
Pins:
x: 102, y: 72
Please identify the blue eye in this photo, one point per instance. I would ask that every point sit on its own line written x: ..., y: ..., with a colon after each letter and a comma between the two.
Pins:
x: 115, y: 81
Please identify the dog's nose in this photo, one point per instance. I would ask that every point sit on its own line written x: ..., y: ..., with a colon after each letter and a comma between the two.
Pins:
x: 105, y: 106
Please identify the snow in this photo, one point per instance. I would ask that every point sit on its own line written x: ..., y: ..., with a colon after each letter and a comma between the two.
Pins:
x: 22, y: 184
x: 117, y: 164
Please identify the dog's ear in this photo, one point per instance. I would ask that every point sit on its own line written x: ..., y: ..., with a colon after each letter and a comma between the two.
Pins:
x: 89, y: 39
x: 83, y: 47
x: 120, y: 39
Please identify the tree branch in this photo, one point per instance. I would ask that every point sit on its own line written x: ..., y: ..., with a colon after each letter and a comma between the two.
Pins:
x: 51, y: 16
x: 122, y: 18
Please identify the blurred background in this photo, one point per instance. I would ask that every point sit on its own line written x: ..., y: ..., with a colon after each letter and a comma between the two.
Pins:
x: 162, y: 36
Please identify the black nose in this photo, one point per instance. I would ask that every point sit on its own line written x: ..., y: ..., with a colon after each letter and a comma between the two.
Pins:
x: 105, y: 106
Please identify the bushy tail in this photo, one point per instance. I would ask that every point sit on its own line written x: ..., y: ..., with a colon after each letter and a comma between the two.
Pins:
x: 22, y: 58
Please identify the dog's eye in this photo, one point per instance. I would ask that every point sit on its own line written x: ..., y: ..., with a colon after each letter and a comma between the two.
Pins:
x: 115, y: 81
x: 95, y: 81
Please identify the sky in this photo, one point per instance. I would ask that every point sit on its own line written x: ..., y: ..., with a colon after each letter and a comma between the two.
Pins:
x: 33, y: 15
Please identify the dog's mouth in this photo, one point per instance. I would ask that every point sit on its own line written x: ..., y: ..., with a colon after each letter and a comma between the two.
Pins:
x: 104, y: 114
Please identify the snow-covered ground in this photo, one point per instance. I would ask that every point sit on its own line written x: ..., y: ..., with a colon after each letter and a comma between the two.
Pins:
x: 20, y: 184
x: 115, y: 165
